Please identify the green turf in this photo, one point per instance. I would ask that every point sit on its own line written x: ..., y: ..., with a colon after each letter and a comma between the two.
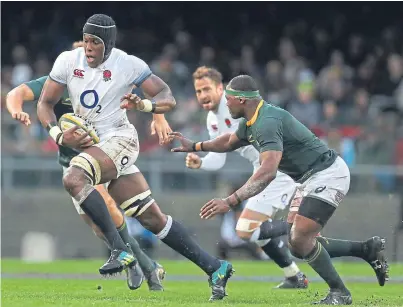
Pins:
x: 243, y: 268
x: 80, y: 293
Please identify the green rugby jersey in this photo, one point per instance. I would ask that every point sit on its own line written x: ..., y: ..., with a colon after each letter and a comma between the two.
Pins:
x: 62, y: 107
x: 272, y: 128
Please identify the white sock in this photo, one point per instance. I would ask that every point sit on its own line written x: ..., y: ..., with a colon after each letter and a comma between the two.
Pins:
x: 291, y: 270
x: 163, y: 233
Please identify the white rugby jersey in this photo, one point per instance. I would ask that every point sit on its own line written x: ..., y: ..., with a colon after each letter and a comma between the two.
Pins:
x: 95, y: 93
x: 218, y: 124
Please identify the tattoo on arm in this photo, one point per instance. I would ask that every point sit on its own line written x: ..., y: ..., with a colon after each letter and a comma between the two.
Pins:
x: 261, y: 179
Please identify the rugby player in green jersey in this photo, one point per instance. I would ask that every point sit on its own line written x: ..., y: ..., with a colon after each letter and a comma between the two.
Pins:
x: 323, y: 177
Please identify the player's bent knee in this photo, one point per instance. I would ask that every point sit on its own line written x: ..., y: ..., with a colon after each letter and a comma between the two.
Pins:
x: 246, y: 228
x: 73, y: 179
x: 153, y: 219
x: 89, y: 166
x: 136, y: 205
x: 301, y: 244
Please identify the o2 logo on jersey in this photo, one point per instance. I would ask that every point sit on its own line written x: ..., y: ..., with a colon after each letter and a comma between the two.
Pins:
x: 78, y: 73
x: 89, y: 99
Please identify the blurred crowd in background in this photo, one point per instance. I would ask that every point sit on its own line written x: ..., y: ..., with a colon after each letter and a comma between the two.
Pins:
x: 338, y: 68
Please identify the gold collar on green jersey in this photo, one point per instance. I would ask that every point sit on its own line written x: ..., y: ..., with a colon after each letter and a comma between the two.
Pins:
x: 254, y: 117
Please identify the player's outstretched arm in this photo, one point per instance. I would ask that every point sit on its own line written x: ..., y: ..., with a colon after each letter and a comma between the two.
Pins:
x: 223, y: 143
x: 15, y: 100
x: 269, y: 161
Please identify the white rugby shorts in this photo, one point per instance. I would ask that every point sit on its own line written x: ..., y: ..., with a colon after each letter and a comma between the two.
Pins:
x: 330, y: 185
x: 277, y: 195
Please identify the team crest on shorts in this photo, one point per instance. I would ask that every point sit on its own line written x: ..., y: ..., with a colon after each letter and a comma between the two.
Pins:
x: 107, y: 75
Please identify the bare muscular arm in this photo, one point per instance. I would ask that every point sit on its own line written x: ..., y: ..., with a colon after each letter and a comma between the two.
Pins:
x: 269, y: 161
x: 51, y: 94
x: 223, y: 143
x: 15, y: 100
x: 155, y: 88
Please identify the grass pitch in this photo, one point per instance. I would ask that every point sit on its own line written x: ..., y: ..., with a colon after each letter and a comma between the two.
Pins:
x: 76, y: 283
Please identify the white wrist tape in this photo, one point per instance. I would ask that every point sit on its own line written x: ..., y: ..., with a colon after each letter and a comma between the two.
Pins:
x: 148, y: 105
x: 57, y: 134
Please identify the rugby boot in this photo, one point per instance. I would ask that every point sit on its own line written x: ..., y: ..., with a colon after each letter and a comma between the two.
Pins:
x: 298, y: 281
x: 374, y: 254
x: 117, y: 262
x: 218, y: 280
x: 336, y: 297
x: 134, y: 276
x: 155, y: 278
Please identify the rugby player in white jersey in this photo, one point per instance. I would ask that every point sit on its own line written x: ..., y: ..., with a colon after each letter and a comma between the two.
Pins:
x: 99, y: 78
x: 260, y: 208
x: 30, y: 91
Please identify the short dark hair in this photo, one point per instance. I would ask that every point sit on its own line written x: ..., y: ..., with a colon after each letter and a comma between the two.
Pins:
x: 243, y: 83
x: 207, y: 72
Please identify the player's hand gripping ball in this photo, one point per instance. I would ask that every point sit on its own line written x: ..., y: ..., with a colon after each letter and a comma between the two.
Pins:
x: 78, y: 132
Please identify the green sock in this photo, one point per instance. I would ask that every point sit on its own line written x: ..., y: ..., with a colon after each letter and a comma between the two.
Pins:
x: 320, y: 261
x: 147, y: 265
x: 340, y: 248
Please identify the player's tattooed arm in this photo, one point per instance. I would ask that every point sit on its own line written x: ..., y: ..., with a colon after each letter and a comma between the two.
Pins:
x: 156, y: 89
x: 223, y: 143
x: 51, y: 93
x: 269, y: 161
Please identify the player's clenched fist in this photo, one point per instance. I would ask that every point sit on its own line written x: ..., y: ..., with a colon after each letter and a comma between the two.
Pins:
x: 193, y: 161
x: 22, y: 117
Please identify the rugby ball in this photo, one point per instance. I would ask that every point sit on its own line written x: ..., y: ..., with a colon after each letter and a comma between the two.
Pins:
x: 69, y: 120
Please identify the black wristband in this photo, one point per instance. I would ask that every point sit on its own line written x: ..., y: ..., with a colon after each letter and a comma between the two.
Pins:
x: 237, y: 198
x: 228, y: 203
x: 194, y: 146
x: 154, y: 105
x: 51, y: 125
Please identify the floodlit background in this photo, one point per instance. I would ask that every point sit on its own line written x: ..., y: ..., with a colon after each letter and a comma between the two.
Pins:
x: 337, y: 67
